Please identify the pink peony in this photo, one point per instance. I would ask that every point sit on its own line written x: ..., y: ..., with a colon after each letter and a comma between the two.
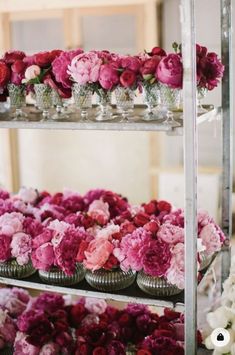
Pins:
x: 149, y: 67
x: 99, y: 211
x: 97, y: 253
x: 50, y: 349
x: 92, y: 195
x: 42, y: 238
x: 175, y: 273
x: 60, y: 67
x: 108, y: 231
x: 170, y: 71
x: 132, y: 248
x: 32, y: 227
x: 59, y: 228
x: 4, y: 195
x: 11, y: 223
x: 43, y: 257
x: 22, y: 347
x: 5, y: 248
x: 85, y: 68
x: 28, y: 195
x: 7, y: 328
x: 175, y: 217
x: 157, y: 258
x: 210, y: 239
x: 31, y: 73
x: 108, y: 76
x: 95, y: 305
x: 171, y: 234
x: 21, y: 247
x: 128, y: 78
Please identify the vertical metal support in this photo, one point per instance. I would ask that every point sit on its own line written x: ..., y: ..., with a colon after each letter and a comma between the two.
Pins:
x: 227, y: 122
x: 190, y: 167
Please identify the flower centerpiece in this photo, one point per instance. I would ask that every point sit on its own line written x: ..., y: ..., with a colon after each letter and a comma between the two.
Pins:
x: 4, y: 80
x: 149, y: 82
x: 17, y: 91
x: 54, y: 253
x: 16, y: 246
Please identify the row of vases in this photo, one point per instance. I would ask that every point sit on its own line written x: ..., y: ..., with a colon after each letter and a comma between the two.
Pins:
x: 102, y: 280
x: 161, y: 102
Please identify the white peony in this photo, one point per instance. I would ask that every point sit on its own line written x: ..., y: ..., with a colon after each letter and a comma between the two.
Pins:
x: 219, y: 318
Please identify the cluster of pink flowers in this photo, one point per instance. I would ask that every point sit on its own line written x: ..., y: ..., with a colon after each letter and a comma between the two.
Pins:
x: 104, y: 70
x: 101, y: 230
x: 51, y: 324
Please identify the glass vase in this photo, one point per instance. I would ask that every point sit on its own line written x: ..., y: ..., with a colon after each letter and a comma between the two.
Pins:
x: 170, y: 103
x: 13, y: 270
x: 201, y: 94
x: 82, y: 95
x: 205, y: 260
x: 43, y: 99
x: 104, y: 105
x: 113, y: 280
x: 156, y: 286
x: 58, y: 103
x: 57, y: 277
x: 17, y: 95
x: 125, y: 101
x: 151, y: 98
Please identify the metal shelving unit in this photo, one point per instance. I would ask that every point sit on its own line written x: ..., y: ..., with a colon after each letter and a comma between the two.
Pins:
x: 189, y: 130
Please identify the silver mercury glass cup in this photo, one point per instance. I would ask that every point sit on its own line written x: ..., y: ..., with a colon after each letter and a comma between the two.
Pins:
x: 17, y: 95
x: 82, y: 95
x: 43, y: 99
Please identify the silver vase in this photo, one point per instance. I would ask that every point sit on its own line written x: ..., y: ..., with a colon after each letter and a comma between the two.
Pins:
x: 156, y: 286
x: 13, y: 270
x: 17, y: 95
x: 82, y: 95
x: 58, y: 103
x: 205, y: 260
x: 43, y: 99
x: 125, y: 101
x: 57, y: 277
x: 114, y: 280
x: 201, y: 94
x: 104, y: 105
x: 151, y: 98
x: 171, y: 101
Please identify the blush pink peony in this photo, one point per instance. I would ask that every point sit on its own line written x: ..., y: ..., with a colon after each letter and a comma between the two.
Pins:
x: 11, y: 223
x: 210, y: 239
x: 99, y: 211
x: 175, y: 273
x: 97, y: 253
x: 21, y: 247
x: 43, y: 257
x: 85, y: 68
x: 171, y: 234
x: 95, y: 305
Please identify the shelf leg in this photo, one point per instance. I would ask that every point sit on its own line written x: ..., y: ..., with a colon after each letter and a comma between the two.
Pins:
x: 227, y: 122
x: 190, y: 168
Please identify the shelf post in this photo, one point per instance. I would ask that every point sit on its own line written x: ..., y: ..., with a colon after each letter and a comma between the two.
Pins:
x: 190, y: 172
x: 227, y: 129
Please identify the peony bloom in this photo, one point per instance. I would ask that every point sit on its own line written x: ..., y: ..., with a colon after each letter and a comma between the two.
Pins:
x: 115, y: 347
x: 21, y: 247
x: 170, y: 71
x: 12, y: 56
x: 210, y: 239
x: 108, y: 231
x: 99, y: 211
x: 44, y: 237
x: 92, y: 195
x: 157, y: 258
x: 171, y: 234
x: 149, y: 67
x: 4, y: 75
x: 31, y: 73
x: 95, y: 305
x: 50, y: 349
x: 22, y: 347
x: 60, y: 67
x: 43, y: 257
x: 85, y: 68
x: 210, y: 71
x: 108, y: 77
x: 5, y: 250
x: 14, y: 300
x: 59, y: 228
x: 132, y: 249
x: 97, y: 253
x: 7, y: 329
x: 161, y: 345
x: 175, y: 273
x: 48, y: 302
x: 131, y: 62
x: 28, y: 195
x: 128, y: 78
x: 11, y: 223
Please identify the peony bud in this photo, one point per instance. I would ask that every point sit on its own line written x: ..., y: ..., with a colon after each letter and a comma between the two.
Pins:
x: 32, y: 72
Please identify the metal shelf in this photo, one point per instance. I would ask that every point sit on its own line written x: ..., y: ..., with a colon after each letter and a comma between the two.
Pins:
x: 135, y: 124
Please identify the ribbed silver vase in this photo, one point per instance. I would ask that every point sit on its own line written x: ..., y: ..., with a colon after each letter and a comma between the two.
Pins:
x: 156, y: 286
x: 114, y: 280
x: 57, y: 277
x: 13, y: 270
x: 205, y: 260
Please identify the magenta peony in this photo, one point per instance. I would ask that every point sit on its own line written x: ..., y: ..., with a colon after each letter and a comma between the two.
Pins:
x: 128, y: 78
x: 170, y: 71
x: 108, y: 77
x: 157, y: 258
x: 175, y: 273
x: 85, y: 68
x: 131, y: 62
x: 5, y: 249
x: 210, y: 71
x: 22, y: 347
x: 60, y: 67
x: 48, y: 302
x: 4, y: 75
x: 171, y: 234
